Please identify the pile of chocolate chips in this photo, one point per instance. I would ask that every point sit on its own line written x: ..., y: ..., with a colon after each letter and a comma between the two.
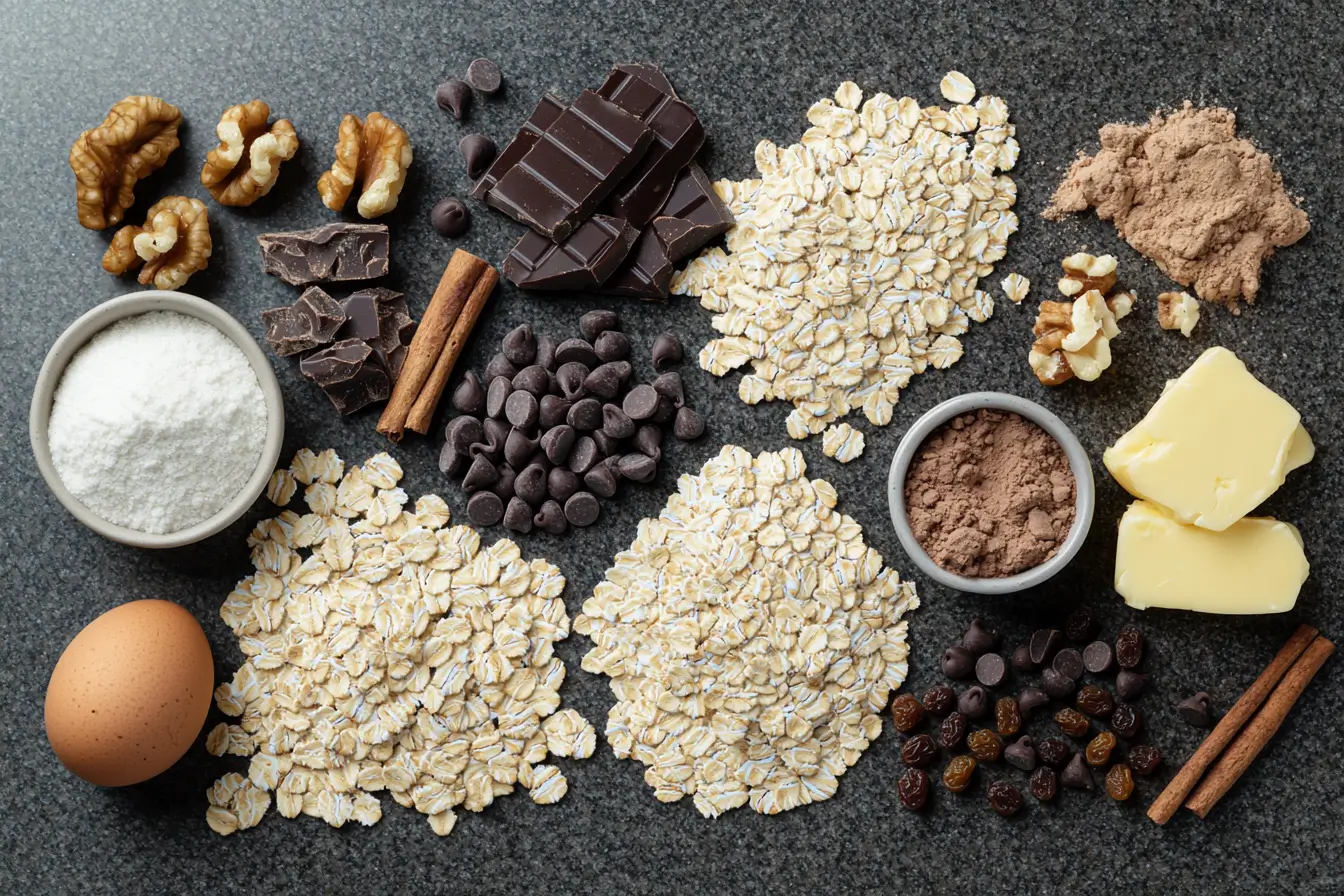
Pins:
x: 1051, y: 760
x: 552, y: 426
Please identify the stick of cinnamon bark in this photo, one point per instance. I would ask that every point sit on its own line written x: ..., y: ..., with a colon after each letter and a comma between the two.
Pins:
x: 455, y: 287
x: 422, y: 412
x: 1253, y: 738
x: 1175, y: 793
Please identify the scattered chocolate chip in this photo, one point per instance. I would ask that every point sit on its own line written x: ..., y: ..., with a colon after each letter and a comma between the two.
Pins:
x: 973, y: 702
x: 521, y: 409
x: 583, y: 455
x: 1081, y: 625
x: 561, y: 483
x: 454, y: 95
x: 570, y: 376
x: 504, y: 486
x: 485, y: 509
x: 958, y: 663
x: 519, y: 345
x: 615, y: 422
x: 546, y: 352
x: 939, y: 700
x: 450, y: 217
x: 518, y: 516
x: 553, y: 410
x: 585, y: 415
x: 1129, y: 684
x: 530, y: 485
x: 604, y: 381
x: 501, y: 387
x: 648, y: 438
x: 1044, y: 644
x: 484, y: 75
x: 1030, y: 700
x: 496, y: 433
x: 1021, y: 754
x: 557, y: 443
x: 601, y: 479
x: 551, y: 518
x: 607, y: 446
x: 1077, y: 775
x: 595, y: 323
x: 665, y: 411
x: 688, y: 425
x: 481, y: 474
x: 991, y: 670
x: 1022, y: 661
x: 478, y: 151
x: 451, y: 462
x: 1196, y: 710
x: 1097, y: 658
x: 461, y: 432
x: 518, y: 448
x: 1058, y: 686
x: 1069, y: 663
x: 669, y: 386
x: 979, y: 639
x: 640, y: 403
x: 666, y: 350
x: 612, y: 345
x: 469, y: 396
x: 535, y: 380
x: 582, y: 509
x: 576, y: 350
x: 638, y: 468
x: 498, y: 366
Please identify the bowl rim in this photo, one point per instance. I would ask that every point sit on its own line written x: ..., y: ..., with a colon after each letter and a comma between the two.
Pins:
x: 1079, y: 463
x: 99, y: 318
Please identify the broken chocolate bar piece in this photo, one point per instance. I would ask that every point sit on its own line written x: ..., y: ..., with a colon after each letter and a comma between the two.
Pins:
x: 330, y: 252
x: 678, y: 136
x: 585, y: 153
x: 379, y: 317
x: 542, y: 117
x: 649, y: 72
x: 692, y: 216
x: 310, y: 322
x: 584, y: 261
x: 645, y: 274
x: 349, y: 375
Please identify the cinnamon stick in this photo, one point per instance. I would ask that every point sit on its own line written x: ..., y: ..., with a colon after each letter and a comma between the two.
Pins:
x: 422, y: 412
x: 1260, y: 730
x: 450, y: 296
x: 1175, y: 793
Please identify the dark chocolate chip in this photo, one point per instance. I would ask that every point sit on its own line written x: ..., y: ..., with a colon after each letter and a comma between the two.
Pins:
x: 551, y: 518
x: 450, y: 217
x: 638, y: 467
x: 583, y: 455
x: 450, y: 462
x: 557, y: 443
x: 973, y: 702
x: 582, y: 509
x: 616, y: 424
x: 604, y: 381
x: 518, y: 516
x: 1076, y: 774
x: 454, y: 95
x: 595, y: 323
x: 469, y: 396
x: 546, y: 352
x: 979, y: 638
x: 576, y: 350
x: 1045, y: 643
x: 1069, y: 663
x: 688, y: 425
x: 585, y: 415
x: 531, y: 484
x: 1022, y: 661
x: 665, y: 411
x: 461, y: 432
x: 522, y: 409
x: 958, y: 663
x: 478, y: 151
x: 501, y: 387
x: 498, y: 366
x: 601, y: 479
x: 504, y: 487
x: 540, y: 459
x: 481, y: 474
x: 1021, y: 754
x: 640, y: 403
x: 518, y: 448
x: 519, y: 345
x: 1130, y: 684
x: 1196, y: 710
x: 991, y: 670
x: 484, y: 75
x: 648, y: 438
x: 666, y: 350
x: 570, y: 376
x: 613, y: 345
x: 561, y: 483
x: 669, y: 386
x: 606, y: 445
x: 1057, y: 685
x: 1098, y: 658
x: 485, y: 509
x: 553, y: 410
x: 534, y: 379
x: 496, y: 434
x: 1031, y: 699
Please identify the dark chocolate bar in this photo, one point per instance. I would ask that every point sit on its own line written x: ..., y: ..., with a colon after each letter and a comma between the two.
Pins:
x: 678, y: 136
x: 379, y: 317
x: 649, y: 72
x: 645, y: 274
x: 349, y: 375
x: 331, y: 252
x: 542, y: 117
x: 583, y: 261
x: 585, y: 153
x: 312, y: 321
x: 692, y: 216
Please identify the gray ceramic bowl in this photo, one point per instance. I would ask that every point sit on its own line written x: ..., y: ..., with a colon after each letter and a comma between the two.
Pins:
x: 98, y: 319
x: 1078, y: 462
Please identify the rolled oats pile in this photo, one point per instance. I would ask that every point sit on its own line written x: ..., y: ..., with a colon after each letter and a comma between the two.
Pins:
x: 751, y: 637
x: 857, y: 254
x: 388, y: 651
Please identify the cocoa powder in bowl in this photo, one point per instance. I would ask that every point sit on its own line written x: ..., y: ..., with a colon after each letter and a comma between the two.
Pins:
x: 990, y: 494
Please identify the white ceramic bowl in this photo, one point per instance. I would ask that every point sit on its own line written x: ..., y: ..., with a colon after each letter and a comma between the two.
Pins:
x: 1078, y: 463
x: 98, y: 319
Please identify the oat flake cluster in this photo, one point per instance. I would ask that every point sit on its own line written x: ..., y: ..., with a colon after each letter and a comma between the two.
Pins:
x: 751, y: 637
x: 388, y: 651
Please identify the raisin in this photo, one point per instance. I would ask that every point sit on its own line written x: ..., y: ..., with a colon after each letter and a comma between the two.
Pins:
x: 1072, y: 722
x: 1096, y: 702
x: 1004, y: 798
x: 957, y: 775
x: 985, y: 745
x: 919, y: 751
x: 1126, y: 721
x: 1099, y: 749
x: 1053, y: 752
x: 1129, y: 647
x: 1044, y: 783
x: 953, y: 731
x: 1119, y: 782
x: 913, y: 789
x: 906, y: 713
x: 1007, y: 716
x: 1081, y: 625
x: 939, y: 700
x: 1144, y: 759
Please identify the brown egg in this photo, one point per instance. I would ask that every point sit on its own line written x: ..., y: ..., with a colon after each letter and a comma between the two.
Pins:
x: 130, y: 693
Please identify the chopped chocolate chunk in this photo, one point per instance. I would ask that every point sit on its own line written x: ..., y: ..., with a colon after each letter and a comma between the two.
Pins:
x: 450, y: 217
x: 478, y: 151
x: 485, y: 76
x: 379, y: 317
x: 646, y: 272
x: 311, y: 322
x: 692, y: 215
x: 331, y: 252
x: 346, y: 373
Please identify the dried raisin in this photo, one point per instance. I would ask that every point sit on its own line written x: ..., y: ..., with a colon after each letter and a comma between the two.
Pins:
x: 1129, y: 647
x: 1004, y: 798
x: 913, y: 789
x: 939, y: 700
x: 957, y: 775
x: 1007, y: 716
x: 1044, y: 783
x: 1099, y: 749
x: 1096, y: 702
x: 906, y: 713
x: 1072, y: 722
x: 919, y: 751
x: 1119, y: 782
x: 985, y: 745
x: 1081, y: 625
x: 953, y: 731
x: 1053, y: 752
x: 1126, y: 721
x: 1144, y: 759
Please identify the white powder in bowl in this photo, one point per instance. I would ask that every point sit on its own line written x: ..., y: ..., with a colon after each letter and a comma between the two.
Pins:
x: 157, y: 422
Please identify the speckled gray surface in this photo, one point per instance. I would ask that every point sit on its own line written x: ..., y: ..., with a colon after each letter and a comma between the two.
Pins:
x: 751, y: 70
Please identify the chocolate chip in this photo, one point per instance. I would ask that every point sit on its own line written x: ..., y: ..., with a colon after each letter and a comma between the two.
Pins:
x: 496, y: 434
x: 521, y: 409
x: 481, y: 474
x: 979, y: 638
x: 557, y: 443
x: 583, y: 455
x: 688, y: 425
x: 561, y: 483
x: 519, y: 345
x: 1196, y: 710
x: 531, y: 484
x: 551, y: 518
x: 669, y: 386
x: 1031, y: 699
x: 461, y: 432
x: 606, y: 445
x: 665, y: 411
x: 485, y: 509
x: 552, y: 411
x: 504, y: 487
x: 615, y: 423
x: 1076, y: 774
x: 1129, y: 684
x: 648, y: 438
x: 1045, y: 643
x: 454, y: 95
x: 973, y: 702
x: 958, y: 663
x: 518, y: 516
x: 570, y: 376
x: 666, y: 350
x: 451, y: 462
x: 638, y: 467
x: 498, y: 366
x: 1069, y: 663
x: 595, y: 323
x: 534, y: 379
x: 501, y: 387
x: 1057, y: 685
x: 478, y: 151
x: 1022, y: 661
x: 546, y: 352
x: 1098, y: 658
x: 604, y: 381
x: 1021, y: 754
x: 991, y: 670
x: 585, y: 415
x: 640, y: 403
x: 469, y: 396
x: 450, y: 217
x: 485, y: 76
x: 518, y: 447
x: 601, y: 479
x: 582, y: 509
x: 613, y: 345
x: 576, y: 350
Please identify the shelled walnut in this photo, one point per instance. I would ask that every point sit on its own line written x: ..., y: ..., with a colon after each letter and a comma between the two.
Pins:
x: 375, y: 152
x: 245, y: 165
x: 134, y: 141
x: 1083, y: 272
x: 173, y: 244
x: 1073, y: 339
x: 1177, y: 311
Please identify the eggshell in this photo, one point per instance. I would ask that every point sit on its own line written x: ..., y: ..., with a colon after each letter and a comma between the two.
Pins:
x: 130, y: 693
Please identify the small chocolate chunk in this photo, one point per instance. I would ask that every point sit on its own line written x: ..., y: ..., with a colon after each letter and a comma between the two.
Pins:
x: 669, y: 386
x: 484, y: 75
x: 481, y: 474
x: 521, y: 409
x: 604, y: 381
x: 478, y: 151
x: 519, y: 345
x: 979, y: 638
x: 1031, y: 699
x: 534, y: 379
x: 331, y: 252
x: 1196, y: 710
x: 688, y: 425
x: 1077, y: 775
x: 498, y: 366
x: 576, y: 350
x: 616, y: 424
x: 546, y: 352
x: 504, y: 486
x: 530, y: 485
x: 583, y: 455
x: 557, y: 443
x: 1069, y: 663
x: 454, y: 95
x: 450, y: 462
x: 485, y: 509
x: 1045, y: 643
x: 991, y: 670
x: 312, y: 321
x: 450, y: 217
x: 1098, y: 658
x: 582, y: 509
x: 570, y: 376
x: 612, y: 345
x: 461, y: 432
x: 692, y: 215
x: 561, y: 483
x: 1130, y: 684
x: 551, y: 518
x: 518, y: 516
x: 648, y: 438
x: 973, y: 702
x: 469, y: 396
x: 585, y: 415
x: 638, y: 467
x: 553, y: 410
x: 1081, y: 625
x: 1022, y: 661
x: 640, y: 403
x: 1021, y: 754
x: 666, y: 350
x: 601, y: 479
x: 595, y: 323
x: 518, y: 448
x: 347, y: 374
x: 1057, y: 685
x: 958, y: 663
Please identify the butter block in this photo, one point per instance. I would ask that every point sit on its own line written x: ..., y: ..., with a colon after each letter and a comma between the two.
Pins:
x: 1256, y: 565
x: 1214, y: 446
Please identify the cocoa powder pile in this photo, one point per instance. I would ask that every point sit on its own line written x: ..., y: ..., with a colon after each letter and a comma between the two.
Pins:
x: 1185, y: 191
x: 989, y: 495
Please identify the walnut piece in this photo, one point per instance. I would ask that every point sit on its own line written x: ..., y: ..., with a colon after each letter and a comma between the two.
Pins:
x: 376, y: 153
x: 1083, y: 272
x: 1177, y: 311
x: 1073, y: 339
x: 173, y: 244
x: 245, y: 165
x: 134, y: 141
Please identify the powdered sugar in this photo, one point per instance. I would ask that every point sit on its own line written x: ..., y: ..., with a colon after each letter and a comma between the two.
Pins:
x: 157, y: 423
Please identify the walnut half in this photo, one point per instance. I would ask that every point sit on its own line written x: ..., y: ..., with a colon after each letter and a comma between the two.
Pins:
x: 376, y: 153
x: 173, y: 244
x: 1073, y: 339
x: 245, y: 165
x: 134, y: 141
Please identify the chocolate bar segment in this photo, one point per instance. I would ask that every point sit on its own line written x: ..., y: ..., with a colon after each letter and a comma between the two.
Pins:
x: 692, y: 216
x: 310, y: 322
x: 349, y: 375
x: 646, y: 274
x: 583, y: 261
x: 331, y: 252
x: 379, y: 317
x: 573, y: 166
x: 649, y: 72
x: 678, y: 136
x: 542, y: 117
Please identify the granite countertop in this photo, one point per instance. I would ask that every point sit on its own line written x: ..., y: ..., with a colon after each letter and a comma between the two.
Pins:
x: 750, y: 69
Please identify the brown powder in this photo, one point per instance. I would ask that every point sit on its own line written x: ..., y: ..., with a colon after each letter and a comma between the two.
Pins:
x: 989, y: 495
x: 1184, y: 190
